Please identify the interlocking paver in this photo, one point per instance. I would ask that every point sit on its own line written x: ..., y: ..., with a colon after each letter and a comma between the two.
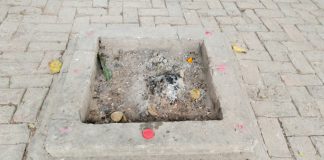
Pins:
x: 12, y: 152
x: 14, y: 133
x: 303, y: 148
x: 283, y: 68
x: 27, y: 110
x: 26, y: 81
x: 301, y: 126
x: 306, y: 104
x: 273, y: 137
x: 11, y: 96
x: 318, y: 142
x: 6, y: 113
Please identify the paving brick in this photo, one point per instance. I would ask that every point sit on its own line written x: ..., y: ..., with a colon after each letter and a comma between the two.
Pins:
x: 53, y: 7
x: 251, y: 17
x: 301, y: 80
x: 252, y: 41
x: 137, y: 4
x: 66, y: 15
x: 147, y: 21
x: 11, y: 96
x: 316, y: 40
x: 318, y: 142
x: 270, y: 13
x: 231, y: 8
x: 300, y: 126
x: 39, y: 3
x: 170, y: 20
x: 281, y: 158
x: 273, y: 137
x: 191, y: 17
x: 91, y: 11
x: 56, y: 28
x: 316, y: 91
x: 6, y: 113
x: 276, y: 67
x: 13, y: 133
x: 293, y: 33
x: 307, y: 17
x: 130, y: 15
x: 311, y: 28
x: 194, y: 5
x: 51, y: 37
x: 274, y: 109
x: 250, y: 72
x: 10, y: 69
x: 289, y: 20
x: 271, y: 79
x: 251, y: 27
x: 306, y: 105
x: 273, y: 36
x: 26, y: 81
x: 211, y: 12
x: 268, y: 93
x: 46, y: 46
x: 158, y: 4
x: 12, y: 152
x: 209, y: 22
x: 32, y: 101
x: 4, y: 82
x: 13, y: 45
x: 106, y: 19
x: 21, y: 57
x: 24, y: 10
x: 18, y: 2
x: 100, y: 3
x: 271, y: 24
x: 300, y: 63
x: 303, y: 148
x: 115, y: 8
x: 214, y: 4
x: 40, y: 19
x: 230, y: 20
x: 249, y: 5
x: 77, y: 3
x: 174, y: 8
x: 3, y: 12
x: 153, y: 12
x: 278, y: 51
x: 269, y: 4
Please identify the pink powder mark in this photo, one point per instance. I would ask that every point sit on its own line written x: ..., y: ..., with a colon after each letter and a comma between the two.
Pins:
x: 90, y: 33
x: 65, y: 130
x: 207, y: 33
x: 239, y: 127
x: 221, y: 68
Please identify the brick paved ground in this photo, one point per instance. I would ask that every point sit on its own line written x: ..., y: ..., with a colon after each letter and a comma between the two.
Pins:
x: 283, y: 69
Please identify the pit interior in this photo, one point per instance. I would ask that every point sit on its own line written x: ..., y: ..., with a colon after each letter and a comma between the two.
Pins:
x: 147, y: 80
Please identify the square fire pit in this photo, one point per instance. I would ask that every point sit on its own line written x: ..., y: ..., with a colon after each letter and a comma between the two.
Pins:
x: 183, y: 84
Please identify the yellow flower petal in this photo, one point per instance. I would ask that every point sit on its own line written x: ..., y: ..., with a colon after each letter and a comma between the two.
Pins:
x: 189, y: 60
x: 55, y: 66
x: 195, y: 94
x: 238, y: 49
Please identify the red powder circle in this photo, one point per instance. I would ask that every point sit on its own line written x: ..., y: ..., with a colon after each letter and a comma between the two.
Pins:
x: 148, y: 133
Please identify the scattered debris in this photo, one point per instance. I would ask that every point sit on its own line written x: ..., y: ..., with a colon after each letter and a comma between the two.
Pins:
x: 189, y: 60
x: 301, y: 154
x: 150, y: 85
x: 106, y: 71
x: 55, y: 66
x: 238, y: 49
x: 31, y: 126
x: 152, y: 110
x: 195, y: 94
x: 148, y: 133
x: 117, y: 116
